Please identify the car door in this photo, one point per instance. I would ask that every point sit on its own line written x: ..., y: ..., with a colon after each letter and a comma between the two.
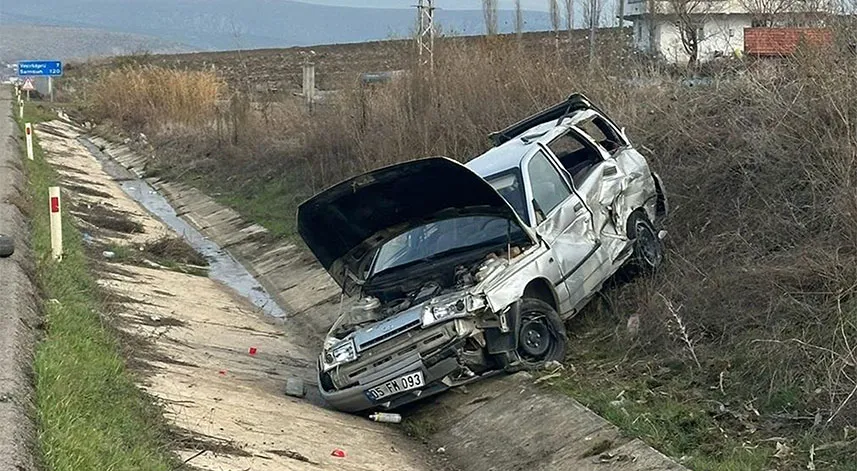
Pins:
x: 564, y: 222
x: 616, y: 182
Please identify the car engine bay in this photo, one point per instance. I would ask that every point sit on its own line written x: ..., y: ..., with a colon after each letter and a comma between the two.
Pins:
x: 394, y: 293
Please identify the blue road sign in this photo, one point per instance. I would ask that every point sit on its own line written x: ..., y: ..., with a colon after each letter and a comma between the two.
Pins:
x: 39, y: 68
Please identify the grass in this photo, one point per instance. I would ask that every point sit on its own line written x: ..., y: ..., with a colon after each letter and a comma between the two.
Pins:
x: 271, y: 204
x: 135, y: 94
x: 91, y: 415
x: 696, y: 416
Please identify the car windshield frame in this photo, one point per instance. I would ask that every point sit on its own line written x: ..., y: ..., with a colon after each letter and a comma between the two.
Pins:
x: 512, y: 233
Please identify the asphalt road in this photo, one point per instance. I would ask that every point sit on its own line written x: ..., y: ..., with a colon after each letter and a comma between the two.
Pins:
x: 18, y: 315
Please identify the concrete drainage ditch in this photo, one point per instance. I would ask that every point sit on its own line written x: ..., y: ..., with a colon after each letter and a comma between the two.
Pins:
x: 217, y: 358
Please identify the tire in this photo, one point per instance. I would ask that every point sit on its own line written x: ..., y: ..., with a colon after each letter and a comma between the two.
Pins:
x: 7, y: 246
x: 541, y: 336
x: 648, y: 253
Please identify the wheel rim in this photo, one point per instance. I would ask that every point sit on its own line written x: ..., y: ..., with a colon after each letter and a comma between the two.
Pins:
x: 649, y: 246
x: 537, y: 339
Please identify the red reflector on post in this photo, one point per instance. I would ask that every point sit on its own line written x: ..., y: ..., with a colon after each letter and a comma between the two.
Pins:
x: 55, y: 204
x: 28, y: 130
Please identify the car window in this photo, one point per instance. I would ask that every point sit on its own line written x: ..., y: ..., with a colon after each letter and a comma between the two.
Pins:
x: 549, y: 188
x: 508, y: 184
x: 603, y: 133
x: 577, y: 157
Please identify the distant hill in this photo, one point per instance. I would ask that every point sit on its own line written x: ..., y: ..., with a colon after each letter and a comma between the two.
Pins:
x: 248, y: 24
x: 18, y: 42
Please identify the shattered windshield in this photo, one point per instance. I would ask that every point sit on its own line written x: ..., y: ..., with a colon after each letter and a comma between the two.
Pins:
x: 442, y: 237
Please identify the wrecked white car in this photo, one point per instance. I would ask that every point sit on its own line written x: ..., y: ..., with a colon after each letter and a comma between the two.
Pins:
x: 463, y: 271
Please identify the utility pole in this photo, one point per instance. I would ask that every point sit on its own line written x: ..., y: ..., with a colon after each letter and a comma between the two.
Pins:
x: 425, y: 34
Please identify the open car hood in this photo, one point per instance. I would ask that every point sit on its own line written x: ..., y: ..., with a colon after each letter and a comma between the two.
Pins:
x: 345, y: 223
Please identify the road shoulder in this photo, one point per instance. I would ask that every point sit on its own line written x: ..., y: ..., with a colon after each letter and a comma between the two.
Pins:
x: 19, y: 318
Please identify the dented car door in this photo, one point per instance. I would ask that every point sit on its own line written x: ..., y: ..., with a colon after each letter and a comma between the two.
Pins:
x: 611, y: 188
x: 565, y: 223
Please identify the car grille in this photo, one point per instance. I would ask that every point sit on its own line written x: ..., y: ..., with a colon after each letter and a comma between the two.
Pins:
x: 417, y: 342
x: 388, y: 335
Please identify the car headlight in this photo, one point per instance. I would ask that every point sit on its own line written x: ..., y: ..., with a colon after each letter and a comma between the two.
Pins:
x: 435, y: 312
x: 338, y: 354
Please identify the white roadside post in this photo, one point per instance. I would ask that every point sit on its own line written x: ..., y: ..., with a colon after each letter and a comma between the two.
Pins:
x: 56, y: 223
x: 28, y: 128
x: 21, y: 110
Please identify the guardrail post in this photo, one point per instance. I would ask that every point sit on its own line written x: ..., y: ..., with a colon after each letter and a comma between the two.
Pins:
x: 56, y: 222
x: 28, y: 129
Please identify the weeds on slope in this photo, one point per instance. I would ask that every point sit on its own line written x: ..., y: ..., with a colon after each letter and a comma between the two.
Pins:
x: 90, y: 414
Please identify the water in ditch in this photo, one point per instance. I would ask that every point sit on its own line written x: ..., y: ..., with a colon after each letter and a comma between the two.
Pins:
x: 222, y: 266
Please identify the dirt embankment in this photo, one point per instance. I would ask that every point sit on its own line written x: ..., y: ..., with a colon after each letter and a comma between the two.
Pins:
x: 216, y: 365
x: 19, y: 321
x: 508, y: 423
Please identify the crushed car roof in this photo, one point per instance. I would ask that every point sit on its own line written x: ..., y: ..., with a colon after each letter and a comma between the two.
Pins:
x: 510, y: 154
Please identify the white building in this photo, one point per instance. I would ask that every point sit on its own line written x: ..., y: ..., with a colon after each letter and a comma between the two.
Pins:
x: 719, y: 24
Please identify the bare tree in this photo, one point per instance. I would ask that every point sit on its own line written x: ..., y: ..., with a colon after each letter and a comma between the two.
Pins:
x: 690, y: 18
x: 765, y: 12
x: 591, y: 15
x: 489, y: 9
x: 592, y: 12
x: 519, y: 19
x: 569, y: 17
x: 556, y: 19
x: 653, y: 7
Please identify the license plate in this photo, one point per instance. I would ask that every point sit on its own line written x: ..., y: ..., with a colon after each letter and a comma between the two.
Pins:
x: 405, y: 383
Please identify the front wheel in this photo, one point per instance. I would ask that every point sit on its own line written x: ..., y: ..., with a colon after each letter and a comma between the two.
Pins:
x: 541, y: 336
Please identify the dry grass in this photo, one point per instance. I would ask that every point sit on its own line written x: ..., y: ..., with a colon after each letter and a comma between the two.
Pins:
x: 140, y: 97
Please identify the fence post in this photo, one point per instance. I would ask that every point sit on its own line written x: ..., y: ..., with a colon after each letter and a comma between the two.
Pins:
x: 28, y: 128
x: 56, y: 223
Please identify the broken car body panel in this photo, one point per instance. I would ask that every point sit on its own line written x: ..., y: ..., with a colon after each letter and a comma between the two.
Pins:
x: 459, y: 267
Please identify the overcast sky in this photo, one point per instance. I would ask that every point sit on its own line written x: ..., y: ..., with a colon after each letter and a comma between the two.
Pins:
x: 446, y: 4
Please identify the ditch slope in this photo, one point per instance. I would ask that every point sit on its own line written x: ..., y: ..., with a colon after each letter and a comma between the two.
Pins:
x: 215, y: 362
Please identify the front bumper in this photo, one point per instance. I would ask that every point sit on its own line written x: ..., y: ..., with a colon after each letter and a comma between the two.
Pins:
x: 354, y: 398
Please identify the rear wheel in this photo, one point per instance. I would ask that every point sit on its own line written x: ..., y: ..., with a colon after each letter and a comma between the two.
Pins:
x: 541, y: 335
x: 648, y: 248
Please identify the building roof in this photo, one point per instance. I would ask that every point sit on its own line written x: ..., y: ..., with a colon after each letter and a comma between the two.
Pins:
x: 777, y: 42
